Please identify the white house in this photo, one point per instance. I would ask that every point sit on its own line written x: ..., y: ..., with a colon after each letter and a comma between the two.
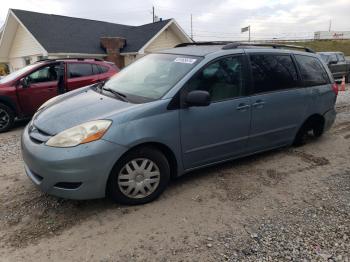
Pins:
x: 29, y: 36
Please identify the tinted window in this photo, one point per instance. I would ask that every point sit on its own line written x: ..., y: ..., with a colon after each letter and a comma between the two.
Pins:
x: 312, y: 70
x: 95, y: 69
x: 223, y: 79
x: 79, y: 70
x: 273, y: 72
x: 103, y: 69
x: 44, y: 74
x: 340, y: 57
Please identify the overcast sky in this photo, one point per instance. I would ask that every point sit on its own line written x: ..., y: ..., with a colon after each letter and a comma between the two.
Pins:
x: 212, y: 20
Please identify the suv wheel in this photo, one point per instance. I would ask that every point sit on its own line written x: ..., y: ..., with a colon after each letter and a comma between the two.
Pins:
x: 139, y: 177
x: 7, y: 118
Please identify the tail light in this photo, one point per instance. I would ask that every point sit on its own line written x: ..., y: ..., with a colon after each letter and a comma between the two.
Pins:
x: 335, y: 88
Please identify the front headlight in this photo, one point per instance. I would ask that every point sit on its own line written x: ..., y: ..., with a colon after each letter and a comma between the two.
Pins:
x: 81, y: 134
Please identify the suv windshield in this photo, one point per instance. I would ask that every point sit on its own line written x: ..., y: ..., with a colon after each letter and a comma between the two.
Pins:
x: 152, y: 76
x: 17, y: 73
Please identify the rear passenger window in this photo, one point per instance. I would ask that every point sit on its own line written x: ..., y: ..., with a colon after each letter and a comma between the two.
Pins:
x: 273, y: 72
x: 103, y: 69
x: 312, y: 70
x: 95, y: 69
x: 79, y: 70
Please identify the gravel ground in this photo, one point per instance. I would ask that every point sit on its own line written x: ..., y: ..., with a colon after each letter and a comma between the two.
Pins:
x: 291, y: 204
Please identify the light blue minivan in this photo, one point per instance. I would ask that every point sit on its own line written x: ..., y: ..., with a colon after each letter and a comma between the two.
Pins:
x: 174, y: 111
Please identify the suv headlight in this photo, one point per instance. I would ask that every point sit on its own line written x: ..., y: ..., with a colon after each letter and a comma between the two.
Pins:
x: 81, y: 134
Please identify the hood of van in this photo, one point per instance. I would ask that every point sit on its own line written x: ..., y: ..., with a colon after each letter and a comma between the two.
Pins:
x: 77, y: 108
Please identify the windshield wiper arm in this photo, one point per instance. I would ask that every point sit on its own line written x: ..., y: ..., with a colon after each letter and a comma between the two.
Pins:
x: 121, y: 96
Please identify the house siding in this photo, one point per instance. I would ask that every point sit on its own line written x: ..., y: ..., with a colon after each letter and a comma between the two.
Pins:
x: 167, y: 39
x: 24, y: 45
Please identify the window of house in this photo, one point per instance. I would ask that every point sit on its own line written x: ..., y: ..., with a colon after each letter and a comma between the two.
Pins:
x: 223, y: 79
x: 27, y: 60
x: 273, y: 72
x: 44, y: 74
x: 312, y: 70
x: 79, y: 70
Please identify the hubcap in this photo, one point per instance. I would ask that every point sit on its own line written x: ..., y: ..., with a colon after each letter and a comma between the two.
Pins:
x: 4, y: 119
x: 139, y: 178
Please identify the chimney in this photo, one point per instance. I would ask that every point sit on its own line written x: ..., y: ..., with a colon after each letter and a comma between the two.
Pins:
x: 113, y: 45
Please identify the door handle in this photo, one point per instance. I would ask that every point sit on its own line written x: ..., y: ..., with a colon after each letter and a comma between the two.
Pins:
x: 242, y: 107
x: 259, y: 103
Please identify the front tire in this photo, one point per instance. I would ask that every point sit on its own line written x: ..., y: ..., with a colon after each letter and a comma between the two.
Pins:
x: 7, y: 118
x: 139, y: 177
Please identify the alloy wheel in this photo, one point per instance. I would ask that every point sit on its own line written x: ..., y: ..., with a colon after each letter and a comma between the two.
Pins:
x: 4, y: 119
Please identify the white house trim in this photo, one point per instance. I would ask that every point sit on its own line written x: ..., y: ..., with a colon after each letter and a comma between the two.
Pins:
x: 3, y: 28
x: 172, y: 21
x: 129, y: 53
x: 26, y: 29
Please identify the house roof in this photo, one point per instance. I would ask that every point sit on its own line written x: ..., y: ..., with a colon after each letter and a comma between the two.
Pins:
x: 63, y: 34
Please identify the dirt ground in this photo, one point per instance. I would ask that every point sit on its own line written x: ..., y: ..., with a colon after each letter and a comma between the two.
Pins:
x: 291, y: 204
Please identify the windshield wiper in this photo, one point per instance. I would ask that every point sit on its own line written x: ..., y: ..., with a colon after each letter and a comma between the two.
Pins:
x: 121, y: 96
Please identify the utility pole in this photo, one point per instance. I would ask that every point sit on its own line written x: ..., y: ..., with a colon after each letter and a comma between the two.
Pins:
x: 153, y: 13
x: 330, y: 25
x: 191, y: 28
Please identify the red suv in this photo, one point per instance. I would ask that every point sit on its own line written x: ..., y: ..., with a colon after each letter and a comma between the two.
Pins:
x: 24, y: 91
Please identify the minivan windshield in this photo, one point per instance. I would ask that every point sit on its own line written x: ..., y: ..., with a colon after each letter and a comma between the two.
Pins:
x: 17, y: 73
x: 152, y: 76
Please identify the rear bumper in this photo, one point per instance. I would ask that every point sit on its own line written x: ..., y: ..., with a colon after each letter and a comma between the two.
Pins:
x: 329, y: 119
x: 79, y: 172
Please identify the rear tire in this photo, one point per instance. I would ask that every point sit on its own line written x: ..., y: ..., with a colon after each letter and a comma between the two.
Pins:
x: 7, y: 118
x: 300, y: 138
x: 139, y: 177
x: 314, y: 124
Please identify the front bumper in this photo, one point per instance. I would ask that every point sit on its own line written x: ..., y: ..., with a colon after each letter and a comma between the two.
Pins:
x: 79, y: 172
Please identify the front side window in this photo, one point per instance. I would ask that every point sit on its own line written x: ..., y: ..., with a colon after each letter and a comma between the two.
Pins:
x: 152, y: 76
x: 273, y: 72
x: 79, y: 70
x: 44, y: 74
x: 223, y: 79
x: 312, y: 70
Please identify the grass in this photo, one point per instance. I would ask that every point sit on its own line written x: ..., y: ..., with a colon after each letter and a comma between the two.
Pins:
x: 326, y: 45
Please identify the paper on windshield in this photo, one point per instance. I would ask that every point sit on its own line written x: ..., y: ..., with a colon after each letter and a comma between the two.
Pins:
x: 185, y: 60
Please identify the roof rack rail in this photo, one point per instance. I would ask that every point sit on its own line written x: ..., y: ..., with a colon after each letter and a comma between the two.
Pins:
x: 70, y: 58
x: 233, y: 45
x: 204, y: 43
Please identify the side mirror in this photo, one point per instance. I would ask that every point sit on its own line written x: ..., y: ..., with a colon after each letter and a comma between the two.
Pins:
x: 198, y: 98
x: 24, y: 82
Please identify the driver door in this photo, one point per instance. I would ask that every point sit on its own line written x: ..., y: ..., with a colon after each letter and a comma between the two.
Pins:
x: 219, y: 131
x: 40, y: 86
